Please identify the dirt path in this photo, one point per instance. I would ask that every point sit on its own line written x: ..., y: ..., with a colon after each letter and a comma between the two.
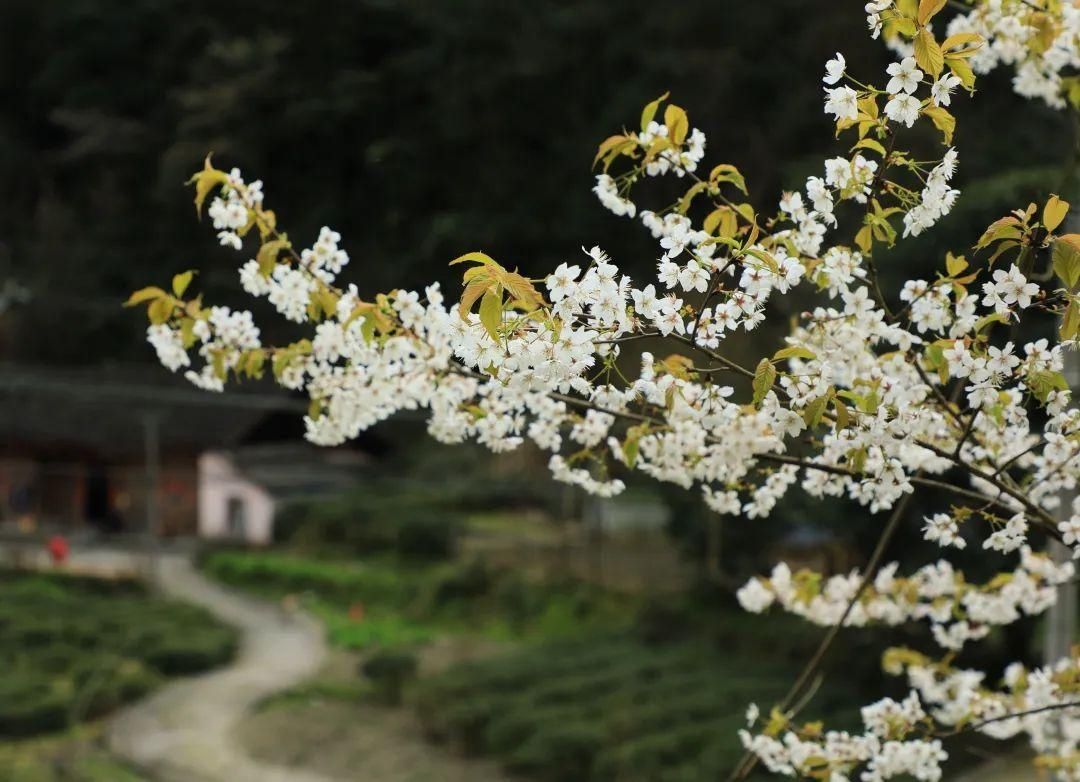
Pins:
x: 355, y: 741
x: 346, y: 738
x: 186, y: 731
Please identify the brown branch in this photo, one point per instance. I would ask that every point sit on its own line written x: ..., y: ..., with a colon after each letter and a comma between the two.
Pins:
x: 749, y: 759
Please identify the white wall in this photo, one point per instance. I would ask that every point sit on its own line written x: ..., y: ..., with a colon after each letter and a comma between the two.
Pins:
x: 220, y: 482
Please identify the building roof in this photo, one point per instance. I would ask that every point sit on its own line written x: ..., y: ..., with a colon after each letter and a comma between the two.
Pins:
x: 298, y: 469
x: 104, y: 411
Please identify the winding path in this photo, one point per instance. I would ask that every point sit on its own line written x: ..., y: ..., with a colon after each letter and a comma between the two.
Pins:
x: 185, y: 731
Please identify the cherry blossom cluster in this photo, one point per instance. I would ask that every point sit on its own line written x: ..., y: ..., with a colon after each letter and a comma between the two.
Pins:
x: 885, y: 750
x: 958, y: 611
x: 1038, y: 39
x: 1046, y: 702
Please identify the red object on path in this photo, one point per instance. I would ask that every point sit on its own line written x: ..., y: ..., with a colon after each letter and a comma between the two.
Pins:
x: 58, y: 549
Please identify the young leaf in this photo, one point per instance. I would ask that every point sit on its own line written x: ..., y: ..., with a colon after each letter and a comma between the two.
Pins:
x: 1070, y: 322
x: 843, y: 415
x: 927, y: 10
x: 954, y: 264
x: 205, y: 181
x: 793, y: 351
x: 649, y: 111
x: 959, y: 39
x: 159, y: 310
x: 725, y: 172
x: 869, y: 143
x: 476, y: 257
x: 764, y: 377
x: 491, y: 313
x: 144, y: 295
x: 180, y: 282
x: 814, y: 410
x: 864, y: 239
x: 613, y: 145
x: 962, y: 71
x: 1054, y: 212
x: 928, y: 54
x: 1066, y: 259
x: 943, y: 121
x: 678, y: 124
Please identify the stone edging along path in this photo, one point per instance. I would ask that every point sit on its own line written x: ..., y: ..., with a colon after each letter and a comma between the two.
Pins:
x: 185, y: 731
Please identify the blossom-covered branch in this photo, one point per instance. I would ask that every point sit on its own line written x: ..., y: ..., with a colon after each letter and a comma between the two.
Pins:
x: 866, y: 398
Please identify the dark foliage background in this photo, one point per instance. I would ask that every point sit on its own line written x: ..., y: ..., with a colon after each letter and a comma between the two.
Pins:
x: 418, y: 129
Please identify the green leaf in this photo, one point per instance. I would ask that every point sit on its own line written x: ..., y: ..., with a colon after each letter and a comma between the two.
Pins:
x: 814, y: 410
x: 1070, y: 322
x: 217, y: 360
x: 904, y: 26
x: 765, y: 258
x: 678, y: 124
x: 927, y: 10
x: 205, y: 181
x: 491, y: 313
x: 793, y: 351
x: 721, y: 222
x: 613, y: 146
x: 160, y: 310
x: 268, y: 255
x: 928, y: 54
x: 253, y: 363
x: 954, y: 264
x: 649, y: 112
x: 869, y: 143
x: 1066, y: 259
x: 843, y: 416
x: 688, y: 197
x: 959, y: 66
x: 475, y: 257
x: 864, y: 239
x: 764, y: 377
x: 143, y: 295
x: 1043, y: 381
x: 943, y: 121
x: 935, y: 357
x: 181, y: 281
x: 1054, y: 212
x: 725, y: 172
x: 632, y: 444
x: 1003, y: 228
x: 986, y: 320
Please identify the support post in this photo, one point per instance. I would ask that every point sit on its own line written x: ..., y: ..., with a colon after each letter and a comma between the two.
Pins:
x: 152, y: 469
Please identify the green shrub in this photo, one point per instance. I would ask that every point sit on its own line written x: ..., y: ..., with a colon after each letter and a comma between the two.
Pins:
x: 610, y: 710
x: 389, y: 672
x: 340, y: 583
x: 191, y: 652
x: 32, y: 704
x: 380, y: 518
x: 76, y: 647
x: 461, y: 583
x: 646, y: 758
x: 427, y: 536
x: 662, y: 621
x: 559, y: 752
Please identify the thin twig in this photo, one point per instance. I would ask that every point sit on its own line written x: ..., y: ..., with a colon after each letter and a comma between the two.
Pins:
x: 749, y: 759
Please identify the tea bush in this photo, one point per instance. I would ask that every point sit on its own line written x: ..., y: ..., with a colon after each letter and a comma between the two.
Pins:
x: 74, y: 648
x: 606, y: 708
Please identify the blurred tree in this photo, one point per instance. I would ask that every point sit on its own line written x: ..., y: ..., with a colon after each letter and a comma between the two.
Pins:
x: 418, y: 129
